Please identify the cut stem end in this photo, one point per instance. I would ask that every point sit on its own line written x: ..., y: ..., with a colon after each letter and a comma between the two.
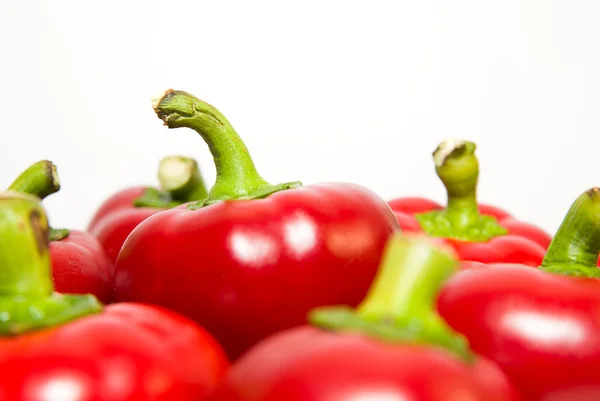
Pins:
x: 458, y: 168
x: 40, y: 179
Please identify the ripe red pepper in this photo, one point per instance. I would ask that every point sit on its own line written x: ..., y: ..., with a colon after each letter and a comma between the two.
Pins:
x: 540, y: 325
x: 66, y: 347
x: 79, y: 264
x: 180, y: 182
x: 243, y: 266
x: 394, y: 346
x: 479, y: 233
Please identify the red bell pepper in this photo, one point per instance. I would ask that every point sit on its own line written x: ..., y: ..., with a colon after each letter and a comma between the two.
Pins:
x: 540, y: 325
x: 243, y: 266
x: 480, y: 233
x: 66, y: 347
x: 180, y: 182
x: 394, y: 346
x: 79, y: 264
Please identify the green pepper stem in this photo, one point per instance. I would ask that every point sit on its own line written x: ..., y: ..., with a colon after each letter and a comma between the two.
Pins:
x: 575, y: 247
x: 458, y: 168
x: 40, y: 179
x: 409, y: 278
x: 237, y: 177
x: 181, y: 182
x: 27, y: 301
x: 400, y: 305
x: 180, y: 176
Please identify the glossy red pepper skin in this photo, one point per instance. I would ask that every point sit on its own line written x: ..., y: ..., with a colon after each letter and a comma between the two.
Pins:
x: 120, y: 200
x: 501, y: 311
x: 180, y: 182
x: 245, y: 269
x: 126, y: 353
x: 524, y: 243
x: 539, y: 325
x: 80, y: 266
x: 116, y: 218
x: 308, y: 364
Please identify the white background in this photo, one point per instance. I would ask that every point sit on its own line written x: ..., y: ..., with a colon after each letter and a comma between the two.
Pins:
x: 319, y: 90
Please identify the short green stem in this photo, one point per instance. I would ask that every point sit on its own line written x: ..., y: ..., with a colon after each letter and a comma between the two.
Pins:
x: 40, y: 179
x: 180, y: 176
x: 576, y: 244
x: 27, y: 298
x: 237, y: 177
x: 458, y: 168
x: 181, y: 182
x: 400, y: 305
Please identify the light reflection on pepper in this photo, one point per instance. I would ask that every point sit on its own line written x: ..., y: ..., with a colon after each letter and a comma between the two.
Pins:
x: 300, y: 235
x: 253, y: 249
x: 350, y: 239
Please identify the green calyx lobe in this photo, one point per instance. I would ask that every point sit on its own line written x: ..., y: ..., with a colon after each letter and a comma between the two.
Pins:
x: 400, y: 305
x: 180, y: 182
x: 27, y: 298
x: 41, y: 180
x: 575, y: 247
x: 458, y: 168
x: 57, y: 234
x: 237, y: 177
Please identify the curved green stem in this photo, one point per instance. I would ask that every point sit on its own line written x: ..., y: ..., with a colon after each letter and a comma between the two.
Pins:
x: 458, y: 168
x: 400, y: 305
x: 40, y: 179
x: 27, y: 300
x: 181, y: 182
x: 237, y: 177
x: 575, y: 247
